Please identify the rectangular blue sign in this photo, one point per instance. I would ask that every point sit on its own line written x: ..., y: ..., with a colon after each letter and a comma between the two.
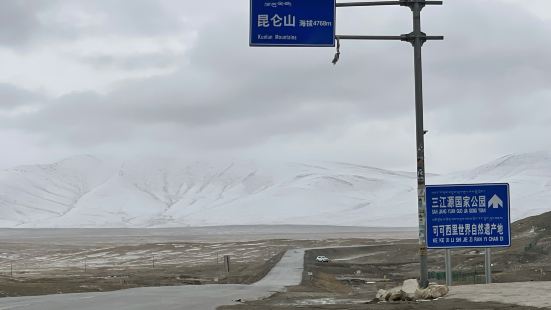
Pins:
x: 468, y: 216
x: 292, y: 23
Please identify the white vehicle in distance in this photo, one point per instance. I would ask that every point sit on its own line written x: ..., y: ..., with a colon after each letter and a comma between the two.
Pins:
x: 322, y: 259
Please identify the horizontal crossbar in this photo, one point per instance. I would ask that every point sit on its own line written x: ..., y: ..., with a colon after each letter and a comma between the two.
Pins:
x: 398, y: 38
x: 354, y: 37
x: 380, y: 3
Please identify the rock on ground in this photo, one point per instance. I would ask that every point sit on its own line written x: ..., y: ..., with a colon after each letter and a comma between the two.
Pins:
x: 410, y: 291
x: 432, y: 291
x: 409, y: 288
x: 395, y: 294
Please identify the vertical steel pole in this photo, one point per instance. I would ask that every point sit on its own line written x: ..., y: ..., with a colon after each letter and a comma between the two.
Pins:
x: 421, y: 198
x: 488, y: 265
x: 449, y: 275
x: 416, y: 38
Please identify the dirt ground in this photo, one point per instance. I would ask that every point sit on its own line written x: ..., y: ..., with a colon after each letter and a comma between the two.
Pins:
x: 34, y: 268
x: 358, y: 267
x: 352, y: 277
x: 108, y: 279
x: 442, y: 304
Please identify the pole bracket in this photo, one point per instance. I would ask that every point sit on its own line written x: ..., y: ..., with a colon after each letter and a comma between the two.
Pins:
x: 411, y: 3
x: 412, y: 36
x: 422, y: 3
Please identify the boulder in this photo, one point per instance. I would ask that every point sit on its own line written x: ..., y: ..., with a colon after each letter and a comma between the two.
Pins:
x: 409, y: 288
x: 392, y: 294
x: 432, y: 291
x: 381, y: 294
x: 395, y: 294
x: 410, y: 291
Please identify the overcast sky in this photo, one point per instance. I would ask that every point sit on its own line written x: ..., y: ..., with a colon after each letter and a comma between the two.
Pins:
x: 126, y: 78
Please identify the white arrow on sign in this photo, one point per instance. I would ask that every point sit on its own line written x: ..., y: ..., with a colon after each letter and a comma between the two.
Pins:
x: 495, y: 202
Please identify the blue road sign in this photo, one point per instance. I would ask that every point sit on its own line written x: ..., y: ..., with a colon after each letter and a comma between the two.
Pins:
x: 292, y: 23
x: 468, y: 216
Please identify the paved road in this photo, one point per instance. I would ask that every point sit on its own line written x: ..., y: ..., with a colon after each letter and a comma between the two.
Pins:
x: 535, y: 294
x: 287, y: 272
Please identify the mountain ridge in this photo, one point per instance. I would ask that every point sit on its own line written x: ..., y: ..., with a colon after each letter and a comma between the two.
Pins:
x: 84, y: 191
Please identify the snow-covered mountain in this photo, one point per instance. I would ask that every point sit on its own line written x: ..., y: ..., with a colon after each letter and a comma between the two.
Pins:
x: 84, y: 191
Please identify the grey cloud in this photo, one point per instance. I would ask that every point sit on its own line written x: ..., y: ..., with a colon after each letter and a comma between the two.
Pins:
x: 18, y: 22
x: 27, y: 23
x: 36, y: 22
x: 134, y: 62
x: 13, y: 97
x: 492, y: 61
x: 141, y: 17
x: 135, y: 18
x: 229, y: 95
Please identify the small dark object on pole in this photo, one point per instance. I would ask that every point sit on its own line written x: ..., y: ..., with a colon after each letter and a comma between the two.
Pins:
x: 338, y: 53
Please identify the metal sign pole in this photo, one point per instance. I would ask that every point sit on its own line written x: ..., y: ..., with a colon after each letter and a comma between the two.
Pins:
x: 416, y: 38
x: 488, y: 265
x: 448, y: 260
x: 420, y: 133
x: 266, y: 30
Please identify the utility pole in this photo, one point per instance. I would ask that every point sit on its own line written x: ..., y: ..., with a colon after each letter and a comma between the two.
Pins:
x: 417, y: 38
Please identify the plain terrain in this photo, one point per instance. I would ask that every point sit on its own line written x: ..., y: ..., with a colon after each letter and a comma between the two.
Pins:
x: 352, y: 277
x: 50, y: 261
x: 361, y: 262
